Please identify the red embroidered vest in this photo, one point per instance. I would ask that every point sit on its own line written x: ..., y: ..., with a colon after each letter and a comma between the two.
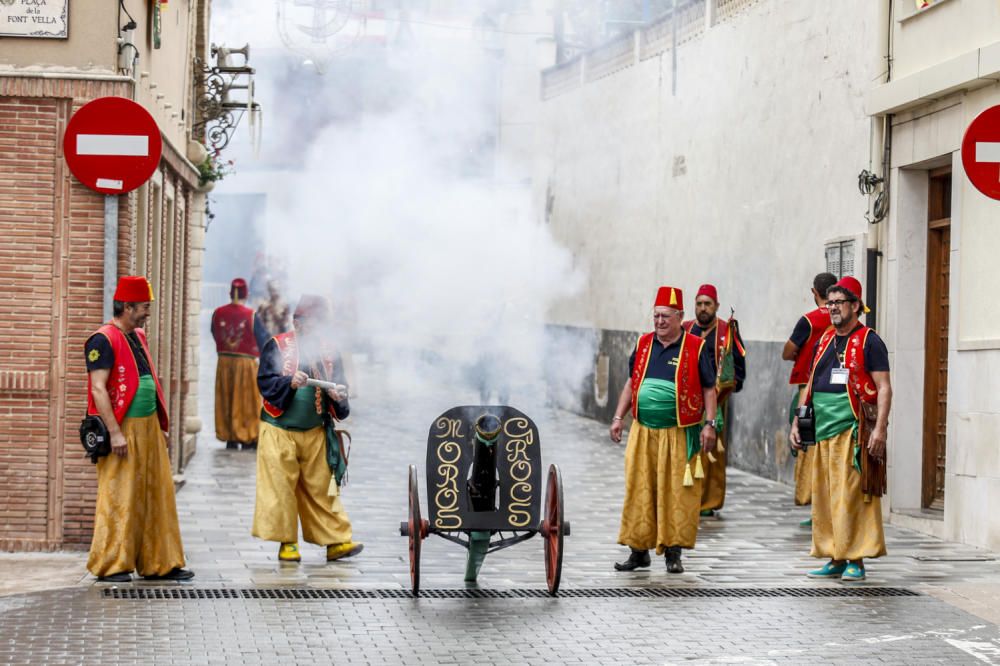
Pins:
x: 860, y: 385
x: 289, y: 349
x: 690, y: 400
x: 123, y: 380
x: 721, y: 330
x: 232, y: 328
x: 819, y: 322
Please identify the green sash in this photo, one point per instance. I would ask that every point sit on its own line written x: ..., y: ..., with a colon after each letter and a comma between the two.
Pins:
x: 657, y: 409
x: 833, y: 416
x: 144, y: 402
x: 301, y: 413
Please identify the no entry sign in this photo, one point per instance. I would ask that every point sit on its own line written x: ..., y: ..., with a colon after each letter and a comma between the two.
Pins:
x: 981, y: 152
x: 112, y: 145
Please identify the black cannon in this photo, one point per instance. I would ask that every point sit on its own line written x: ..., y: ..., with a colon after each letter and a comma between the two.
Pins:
x: 484, y: 481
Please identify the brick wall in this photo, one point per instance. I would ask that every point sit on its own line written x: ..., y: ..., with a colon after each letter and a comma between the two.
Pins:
x: 51, y: 265
x: 27, y: 219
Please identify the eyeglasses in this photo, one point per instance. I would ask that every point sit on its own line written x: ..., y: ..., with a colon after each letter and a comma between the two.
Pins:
x: 837, y: 303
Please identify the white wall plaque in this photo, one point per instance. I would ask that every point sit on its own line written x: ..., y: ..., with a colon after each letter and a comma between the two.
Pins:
x: 34, y: 18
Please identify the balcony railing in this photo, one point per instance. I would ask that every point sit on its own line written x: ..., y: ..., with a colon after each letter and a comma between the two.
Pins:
x: 693, y: 18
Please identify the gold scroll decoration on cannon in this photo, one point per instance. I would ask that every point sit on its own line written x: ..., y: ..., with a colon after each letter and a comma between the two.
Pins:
x: 448, y: 453
x: 519, y: 437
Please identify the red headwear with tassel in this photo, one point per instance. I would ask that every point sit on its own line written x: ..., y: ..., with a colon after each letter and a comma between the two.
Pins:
x: 133, y: 289
x: 669, y: 297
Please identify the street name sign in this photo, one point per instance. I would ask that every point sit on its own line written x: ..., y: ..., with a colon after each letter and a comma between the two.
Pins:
x: 981, y: 152
x: 112, y: 145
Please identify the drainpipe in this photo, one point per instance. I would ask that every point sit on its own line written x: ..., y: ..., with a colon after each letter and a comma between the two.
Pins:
x: 882, y: 138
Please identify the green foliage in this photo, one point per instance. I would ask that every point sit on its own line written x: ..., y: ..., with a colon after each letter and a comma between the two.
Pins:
x: 213, y: 169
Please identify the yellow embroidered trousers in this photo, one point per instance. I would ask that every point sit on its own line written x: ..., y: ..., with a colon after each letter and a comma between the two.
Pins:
x: 804, y: 463
x: 713, y: 487
x: 845, y: 527
x: 659, y: 510
x: 135, y: 520
x: 293, y: 480
x: 237, y: 399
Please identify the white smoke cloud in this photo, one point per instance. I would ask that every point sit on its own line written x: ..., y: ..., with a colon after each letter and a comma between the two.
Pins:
x: 435, y: 269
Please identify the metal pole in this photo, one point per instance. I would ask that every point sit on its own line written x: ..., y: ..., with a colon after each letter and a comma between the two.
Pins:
x: 673, y: 50
x: 110, y: 252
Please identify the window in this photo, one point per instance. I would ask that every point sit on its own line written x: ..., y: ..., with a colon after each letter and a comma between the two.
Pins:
x: 840, y: 258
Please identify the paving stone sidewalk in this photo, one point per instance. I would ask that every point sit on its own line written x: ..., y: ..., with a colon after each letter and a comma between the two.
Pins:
x: 755, y: 543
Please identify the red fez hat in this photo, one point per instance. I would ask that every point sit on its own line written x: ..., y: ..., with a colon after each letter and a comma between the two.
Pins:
x: 708, y: 290
x: 134, y: 289
x: 669, y: 297
x: 851, y: 284
x: 311, y: 305
x: 238, y: 289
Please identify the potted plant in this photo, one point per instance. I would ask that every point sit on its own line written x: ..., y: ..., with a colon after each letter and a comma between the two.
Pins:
x: 213, y: 169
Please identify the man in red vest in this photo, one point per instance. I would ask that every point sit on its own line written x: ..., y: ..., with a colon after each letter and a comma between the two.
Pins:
x: 799, y: 348
x: 135, y: 520
x: 237, y: 400
x: 670, y: 390
x: 722, y: 341
x: 850, y: 368
x: 299, y: 461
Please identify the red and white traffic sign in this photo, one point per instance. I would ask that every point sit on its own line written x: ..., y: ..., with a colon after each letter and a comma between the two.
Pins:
x: 981, y: 152
x: 112, y: 145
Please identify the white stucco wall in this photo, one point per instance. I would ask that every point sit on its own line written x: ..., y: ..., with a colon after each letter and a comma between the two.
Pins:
x: 769, y: 122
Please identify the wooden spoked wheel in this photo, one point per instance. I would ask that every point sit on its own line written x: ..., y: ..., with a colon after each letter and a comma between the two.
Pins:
x: 553, y: 529
x: 415, y: 528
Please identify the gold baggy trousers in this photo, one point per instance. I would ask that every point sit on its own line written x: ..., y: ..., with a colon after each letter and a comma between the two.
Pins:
x: 844, y: 526
x: 135, y: 520
x: 713, y: 487
x: 805, y: 461
x: 292, y: 484
x: 237, y: 399
x: 659, y: 510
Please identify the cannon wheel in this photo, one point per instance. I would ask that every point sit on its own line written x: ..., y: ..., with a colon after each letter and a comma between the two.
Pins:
x: 416, y: 531
x: 553, y: 529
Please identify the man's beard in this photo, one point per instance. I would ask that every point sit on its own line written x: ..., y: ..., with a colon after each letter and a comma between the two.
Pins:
x: 704, y: 318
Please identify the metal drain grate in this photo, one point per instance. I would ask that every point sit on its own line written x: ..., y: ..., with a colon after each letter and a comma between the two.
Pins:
x: 299, y: 594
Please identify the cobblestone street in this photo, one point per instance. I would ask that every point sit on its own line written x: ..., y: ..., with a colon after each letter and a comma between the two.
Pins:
x: 363, y: 614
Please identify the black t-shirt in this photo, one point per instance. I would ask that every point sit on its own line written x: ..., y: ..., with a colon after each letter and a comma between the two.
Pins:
x: 663, y: 362
x: 876, y: 360
x: 801, y: 332
x: 100, y: 356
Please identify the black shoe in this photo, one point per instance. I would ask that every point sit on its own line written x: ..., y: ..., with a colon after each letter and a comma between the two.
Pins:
x: 121, y: 577
x: 233, y: 445
x: 638, y: 558
x: 673, y: 558
x: 175, y: 574
x: 250, y: 446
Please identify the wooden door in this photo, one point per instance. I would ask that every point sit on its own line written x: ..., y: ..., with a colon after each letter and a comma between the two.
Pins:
x: 936, y: 340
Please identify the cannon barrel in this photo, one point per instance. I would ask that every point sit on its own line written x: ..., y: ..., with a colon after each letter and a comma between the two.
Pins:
x: 482, y: 481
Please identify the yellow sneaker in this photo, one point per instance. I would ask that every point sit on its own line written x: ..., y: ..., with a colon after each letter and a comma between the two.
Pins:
x: 339, y: 551
x: 289, y: 552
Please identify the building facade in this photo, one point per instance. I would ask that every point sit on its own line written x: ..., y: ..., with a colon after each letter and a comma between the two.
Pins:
x: 53, y: 250
x: 940, y: 241
x: 722, y: 146
x: 727, y: 144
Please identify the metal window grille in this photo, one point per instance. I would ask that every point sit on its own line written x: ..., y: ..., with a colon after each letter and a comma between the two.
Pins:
x: 840, y: 258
